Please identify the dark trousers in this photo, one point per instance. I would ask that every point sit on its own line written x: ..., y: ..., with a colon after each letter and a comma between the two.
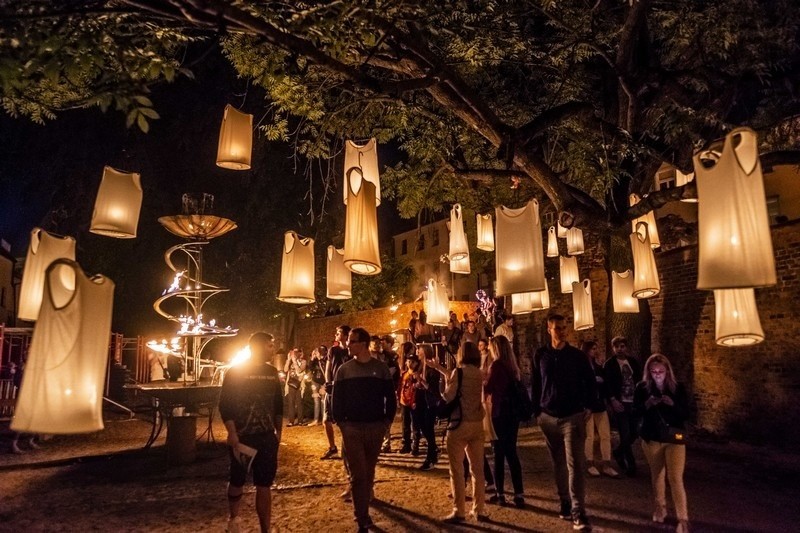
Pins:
x: 409, y: 426
x: 424, y: 420
x: 487, y: 471
x: 566, y: 439
x: 626, y: 425
x: 361, y: 446
x: 505, y: 450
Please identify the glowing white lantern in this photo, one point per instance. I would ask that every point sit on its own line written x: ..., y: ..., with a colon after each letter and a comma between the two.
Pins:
x: 649, y: 219
x: 737, y: 322
x: 574, y: 241
x: 361, y: 251
x: 622, y: 292
x: 339, y: 278
x: 528, y: 302
x: 561, y: 231
x: 682, y: 179
x: 485, y: 232
x: 364, y: 157
x: 460, y: 266
x: 645, y: 280
x: 235, y: 140
x: 568, y: 269
x: 44, y: 248
x: 117, y: 205
x: 582, y: 305
x: 734, y: 241
x: 552, y: 242
x: 437, y: 306
x: 519, y: 255
x: 458, y: 239
x: 297, y: 269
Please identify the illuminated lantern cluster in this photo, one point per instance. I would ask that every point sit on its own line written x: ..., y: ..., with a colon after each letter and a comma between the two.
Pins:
x: 575, y: 241
x: 569, y: 273
x: 485, y: 232
x: 622, y: 292
x: 365, y: 158
x: 458, y: 239
x: 339, y: 278
x: 43, y: 249
x: 361, y: 251
x: 552, y: 242
x: 648, y: 218
x: 528, y: 302
x: 582, y: 305
x: 519, y: 253
x: 437, y: 306
x: 235, y: 140
x: 645, y: 280
x: 117, y: 206
x: 297, y: 269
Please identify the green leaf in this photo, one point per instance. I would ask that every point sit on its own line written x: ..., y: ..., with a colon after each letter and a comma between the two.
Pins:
x: 141, y: 121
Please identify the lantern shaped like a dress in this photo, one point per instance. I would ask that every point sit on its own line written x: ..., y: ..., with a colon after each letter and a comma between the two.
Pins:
x: 460, y: 266
x: 364, y: 157
x: 297, y: 269
x: 458, y: 239
x: 485, y: 232
x: 361, y: 252
x: 622, y: 292
x: 734, y: 241
x: 552, y: 242
x: 235, y: 147
x: 645, y: 280
x: 682, y: 179
x: 519, y: 254
x: 43, y: 249
x: 561, y: 231
x: 737, y: 322
x: 62, y: 388
x: 437, y: 306
x: 575, y: 241
x: 568, y: 270
x: 582, y: 305
x: 649, y: 218
x: 339, y: 279
x: 117, y: 206
x: 528, y: 302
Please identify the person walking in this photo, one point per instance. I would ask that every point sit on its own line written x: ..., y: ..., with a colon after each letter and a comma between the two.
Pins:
x: 622, y: 372
x: 598, y: 421
x: 337, y: 356
x: 295, y: 370
x: 424, y: 414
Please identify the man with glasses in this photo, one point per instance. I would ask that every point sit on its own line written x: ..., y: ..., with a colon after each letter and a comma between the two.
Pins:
x: 622, y: 374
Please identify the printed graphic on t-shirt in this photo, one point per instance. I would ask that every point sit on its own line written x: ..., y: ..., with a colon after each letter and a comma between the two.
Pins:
x: 628, y: 385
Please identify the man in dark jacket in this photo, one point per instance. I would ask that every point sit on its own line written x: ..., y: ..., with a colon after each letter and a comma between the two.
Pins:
x: 623, y: 372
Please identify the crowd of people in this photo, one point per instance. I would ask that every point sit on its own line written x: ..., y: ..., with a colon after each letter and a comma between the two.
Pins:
x: 360, y: 383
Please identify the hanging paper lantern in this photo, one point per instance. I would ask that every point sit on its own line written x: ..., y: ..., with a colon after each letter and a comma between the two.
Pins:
x: 437, y: 306
x: 568, y: 268
x: 648, y: 218
x: 574, y: 241
x: 365, y: 157
x: 528, y: 302
x: 582, y: 305
x: 361, y: 251
x: 297, y: 269
x: 458, y: 239
x: 519, y: 255
x: 117, y: 206
x: 682, y: 179
x: 339, y: 278
x: 552, y: 242
x: 460, y: 266
x: 645, y: 281
x: 43, y: 249
x: 622, y: 292
x: 734, y: 241
x: 737, y: 322
x: 561, y: 231
x: 235, y: 140
x: 485, y: 232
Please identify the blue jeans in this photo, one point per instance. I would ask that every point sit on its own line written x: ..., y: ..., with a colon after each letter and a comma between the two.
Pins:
x: 566, y: 438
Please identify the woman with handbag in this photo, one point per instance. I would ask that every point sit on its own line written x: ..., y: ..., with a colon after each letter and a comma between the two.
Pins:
x: 663, y: 405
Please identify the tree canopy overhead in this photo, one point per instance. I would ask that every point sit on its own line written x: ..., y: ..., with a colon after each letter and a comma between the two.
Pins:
x: 582, y: 101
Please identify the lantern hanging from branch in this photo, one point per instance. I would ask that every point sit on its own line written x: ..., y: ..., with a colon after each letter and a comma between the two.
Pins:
x: 437, y: 306
x: 458, y: 239
x: 460, y: 266
x: 235, y: 140
x: 62, y: 388
x: 43, y: 249
x: 575, y: 241
x: 622, y: 292
x: 364, y: 157
x: 561, y: 231
x: 297, y: 269
x: 485, y: 232
x: 528, y: 302
x: 552, y: 242
x: 117, y: 206
x: 361, y: 251
x: 645, y: 280
x: 568, y: 269
x: 682, y: 179
x: 338, y: 277
x: 649, y: 218
x: 734, y: 240
x: 737, y: 322
x: 519, y: 254
x: 582, y: 305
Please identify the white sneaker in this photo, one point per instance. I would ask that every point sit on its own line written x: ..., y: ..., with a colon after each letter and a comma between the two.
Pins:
x: 610, y: 472
x: 233, y: 526
x: 593, y: 471
x: 15, y: 450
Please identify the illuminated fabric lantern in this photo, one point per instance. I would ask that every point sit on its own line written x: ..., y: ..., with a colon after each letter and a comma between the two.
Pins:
x: 235, y: 140
x: 645, y: 274
x: 458, y: 239
x: 648, y: 218
x: 528, y: 302
x: 43, y: 249
x: 460, y: 266
x: 485, y: 232
x: 117, y: 206
x: 361, y: 251
x: 622, y: 292
x: 364, y: 157
x: 682, y: 179
x: 297, y: 269
x: 552, y: 242
x: 561, y: 231
x: 519, y: 255
x: 568, y: 269
x: 575, y: 241
x: 437, y: 306
x: 339, y: 278
x: 62, y: 387
x: 734, y: 241
x: 582, y: 305
x: 737, y: 322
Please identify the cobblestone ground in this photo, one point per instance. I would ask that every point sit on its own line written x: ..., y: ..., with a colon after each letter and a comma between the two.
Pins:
x: 105, y: 482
